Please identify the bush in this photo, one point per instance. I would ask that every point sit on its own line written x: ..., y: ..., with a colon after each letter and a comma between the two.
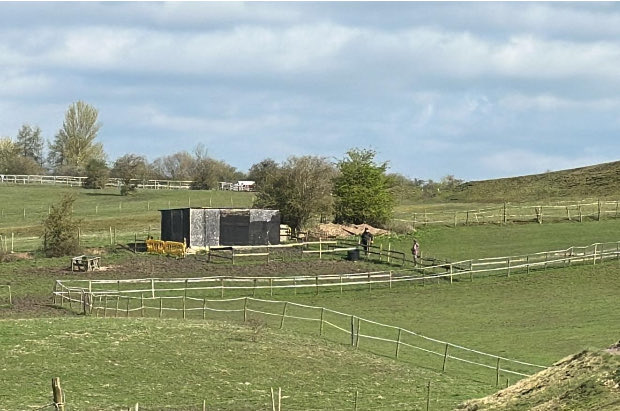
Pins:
x: 60, y: 229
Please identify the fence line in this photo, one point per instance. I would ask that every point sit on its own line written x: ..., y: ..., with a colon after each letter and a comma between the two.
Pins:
x: 448, y: 271
x: 108, y: 305
x: 96, y: 296
x: 592, y: 210
x: 78, y: 181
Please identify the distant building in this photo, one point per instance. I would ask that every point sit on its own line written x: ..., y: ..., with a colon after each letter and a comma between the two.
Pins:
x: 205, y: 227
x: 241, y: 185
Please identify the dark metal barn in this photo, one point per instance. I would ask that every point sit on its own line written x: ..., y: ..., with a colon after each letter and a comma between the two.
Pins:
x: 205, y: 227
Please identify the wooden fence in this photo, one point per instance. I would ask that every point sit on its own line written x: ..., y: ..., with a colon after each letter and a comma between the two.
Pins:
x: 307, y: 248
x: 166, y: 297
x: 334, y: 325
x: 74, y: 181
x: 539, y: 213
x: 450, y: 271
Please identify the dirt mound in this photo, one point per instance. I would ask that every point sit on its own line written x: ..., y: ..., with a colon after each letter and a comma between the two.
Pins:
x: 331, y: 230
x: 587, y: 380
x: 614, y: 349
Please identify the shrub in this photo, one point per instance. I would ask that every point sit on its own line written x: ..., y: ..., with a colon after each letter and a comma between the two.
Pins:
x: 60, y: 229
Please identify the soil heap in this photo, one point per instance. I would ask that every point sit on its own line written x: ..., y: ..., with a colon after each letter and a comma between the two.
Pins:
x: 588, y: 380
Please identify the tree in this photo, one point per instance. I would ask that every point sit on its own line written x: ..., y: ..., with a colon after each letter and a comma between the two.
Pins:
x: 12, y: 162
x: 74, y: 145
x: 60, y: 229
x: 130, y: 167
x: 177, y: 166
x: 301, y: 189
x: 97, y: 173
x: 8, y: 152
x: 362, y: 189
x: 30, y: 143
x: 208, y: 171
x: 262, y: 172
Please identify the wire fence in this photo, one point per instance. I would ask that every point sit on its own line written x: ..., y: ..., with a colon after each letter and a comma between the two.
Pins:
x: 579, y: 211
x: 193, y: 298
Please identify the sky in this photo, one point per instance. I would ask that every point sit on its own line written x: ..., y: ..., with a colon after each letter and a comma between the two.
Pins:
x: 474, y: 90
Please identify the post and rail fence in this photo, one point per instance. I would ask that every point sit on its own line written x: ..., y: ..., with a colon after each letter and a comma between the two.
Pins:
x: 576, y: 211
x: 187, y: 298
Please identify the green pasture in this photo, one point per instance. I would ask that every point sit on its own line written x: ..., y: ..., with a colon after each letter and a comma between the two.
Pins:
x: 103, y: 213
x: 171, y: 364
x: 108, y: 363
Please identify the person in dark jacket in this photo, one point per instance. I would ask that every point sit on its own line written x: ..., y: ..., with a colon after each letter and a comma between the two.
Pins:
x: 367, y: 238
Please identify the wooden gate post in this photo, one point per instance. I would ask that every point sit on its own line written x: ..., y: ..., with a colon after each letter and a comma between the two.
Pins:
x: 59, y: 398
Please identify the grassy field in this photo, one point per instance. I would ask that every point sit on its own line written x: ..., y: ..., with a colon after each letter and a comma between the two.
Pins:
x: 170, y: 363
x: 101, y: 211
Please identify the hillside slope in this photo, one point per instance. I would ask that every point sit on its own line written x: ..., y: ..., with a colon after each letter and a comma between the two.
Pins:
x: 601, y: 180
x: 584, y: 381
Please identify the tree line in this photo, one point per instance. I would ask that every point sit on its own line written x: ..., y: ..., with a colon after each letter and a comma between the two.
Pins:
x: 355, y: 189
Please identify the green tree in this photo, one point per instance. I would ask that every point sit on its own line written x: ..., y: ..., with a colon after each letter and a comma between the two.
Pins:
x: 74, y: 145
x: 130, y: 168
x: 60, y: 229
x: 30, y: 143
x: 301, y: 189
x: 97, y: 174
x: 12, y: 162
x: 262, y: 172
x: 362, y: 189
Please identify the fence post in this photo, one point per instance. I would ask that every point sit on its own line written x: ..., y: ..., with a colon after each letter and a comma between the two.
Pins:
x: 316, y: 280
x: 283, y: 314
x: 497, y: 373
x: 222, y: 287
x: 59, y: 397
x: 142, y: 304
x: 599, y: 211
x: 389, y: 253
x: 398, y: 343
x: 428, y: 395
x: 352, y: 331
x: 271, y: 287
x: 357, y: 334
x: 321, y: 326
x: 245, y: 309
x: 445, y: 357
x: 161, y: 306
x: 508, y: 266
x: 390, y: 279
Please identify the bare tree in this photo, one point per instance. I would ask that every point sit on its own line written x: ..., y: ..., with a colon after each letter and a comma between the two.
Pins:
x: 301, y: 189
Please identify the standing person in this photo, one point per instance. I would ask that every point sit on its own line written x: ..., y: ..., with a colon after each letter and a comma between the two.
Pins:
x: 367, y: 238
x: 415, y: 250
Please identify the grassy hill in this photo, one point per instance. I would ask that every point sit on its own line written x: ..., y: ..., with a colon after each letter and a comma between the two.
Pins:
x: 601, y: 180
x: 111, y: 364
x: 587, y: 380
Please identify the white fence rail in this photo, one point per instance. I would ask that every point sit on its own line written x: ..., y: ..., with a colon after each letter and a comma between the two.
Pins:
x: 160, y: 297
x: 78, y: 181
x: 569, y: 211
